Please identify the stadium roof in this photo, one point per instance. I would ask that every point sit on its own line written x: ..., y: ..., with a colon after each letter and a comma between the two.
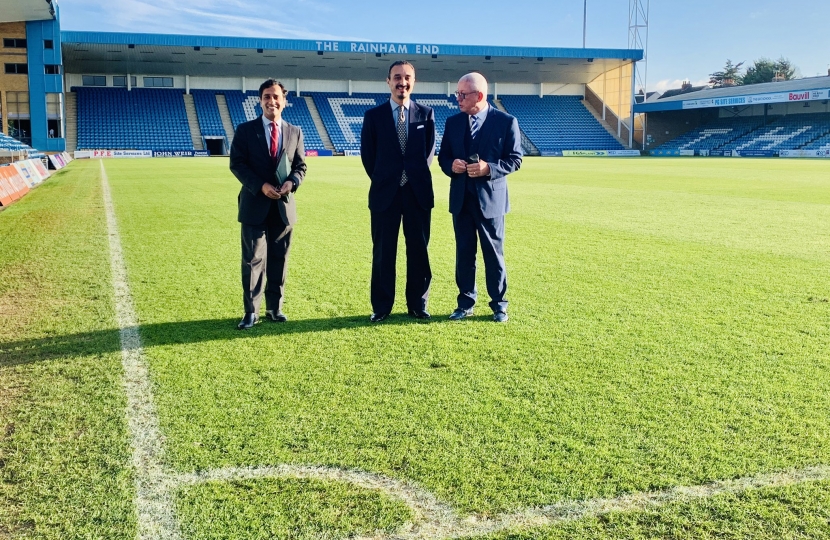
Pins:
x: 26, y: 10
x: 808, y: 89
x: 169, y: 54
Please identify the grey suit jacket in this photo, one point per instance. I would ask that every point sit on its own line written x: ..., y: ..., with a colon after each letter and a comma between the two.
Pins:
x: 253, y: 166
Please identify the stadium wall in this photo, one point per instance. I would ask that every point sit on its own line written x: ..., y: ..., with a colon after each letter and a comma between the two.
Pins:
x: 43, y: 84
x: 315, y: 85
x: 775, y: 109
x: 11, y: 82
x: 611, y: 96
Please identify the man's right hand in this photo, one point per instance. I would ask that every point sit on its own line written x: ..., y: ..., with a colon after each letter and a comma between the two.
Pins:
x: 459, y: 166
x: 270, y: 191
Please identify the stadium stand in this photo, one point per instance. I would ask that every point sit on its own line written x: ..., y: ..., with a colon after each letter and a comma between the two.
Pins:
x: 747, y: 134
x: 556, y: 123
x: 245, y: 106
x: 342, y: 114
x: 10, y: 144
x: 207, y: 110
x: 158, y: 119
x: 822, y: 143
x: 140, y: 119
x: 713, y: 135
x: 786, y: 133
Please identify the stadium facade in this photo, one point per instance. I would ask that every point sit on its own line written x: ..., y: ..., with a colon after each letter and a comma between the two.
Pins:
x: 787, y: 118
x: 62, y: 90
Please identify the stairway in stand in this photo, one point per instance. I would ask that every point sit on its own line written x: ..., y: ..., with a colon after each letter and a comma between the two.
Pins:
x: 71, y: 127
x: 318, y: 123
x: 225, y: 115
x: 528, y: 148
x: 193, y: 122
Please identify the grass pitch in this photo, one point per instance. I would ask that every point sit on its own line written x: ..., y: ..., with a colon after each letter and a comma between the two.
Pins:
x: 670, y: 326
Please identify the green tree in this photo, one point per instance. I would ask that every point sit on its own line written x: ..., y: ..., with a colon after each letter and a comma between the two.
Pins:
x: 765, y: 70
x: 730, y: 76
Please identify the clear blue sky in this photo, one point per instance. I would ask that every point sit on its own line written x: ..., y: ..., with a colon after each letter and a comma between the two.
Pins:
x: 687, y: 40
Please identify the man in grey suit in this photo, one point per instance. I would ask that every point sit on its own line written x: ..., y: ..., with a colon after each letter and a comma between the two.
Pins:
x: 267, y: 209
x: 480, y: 148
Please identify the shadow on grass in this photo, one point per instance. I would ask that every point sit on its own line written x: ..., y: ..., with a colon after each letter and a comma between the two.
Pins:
x: 172, y: 333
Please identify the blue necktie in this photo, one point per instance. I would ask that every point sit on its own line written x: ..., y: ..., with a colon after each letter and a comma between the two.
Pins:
x: 474, y: 127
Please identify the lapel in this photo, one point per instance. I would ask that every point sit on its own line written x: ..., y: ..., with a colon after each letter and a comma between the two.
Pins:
x: 487, y: 128
x: 414, y: 116
x: 259, y: 130
x: 286, y: 135
x: 463, y: 121
x: 393, y: 126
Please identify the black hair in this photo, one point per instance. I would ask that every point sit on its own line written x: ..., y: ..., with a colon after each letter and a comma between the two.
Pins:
x: 399, y: 63
x: 268, y: 84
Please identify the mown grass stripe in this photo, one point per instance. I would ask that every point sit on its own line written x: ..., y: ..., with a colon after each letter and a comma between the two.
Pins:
x: 154, y: 486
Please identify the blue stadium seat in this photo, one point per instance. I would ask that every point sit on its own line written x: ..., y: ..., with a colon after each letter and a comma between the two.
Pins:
x: 207, y: 111
x: 245, y: 106
x: 140, y: 119
x: 10, y: 144
x: 557, y: 123
x: 342, y: 114
x: 791, y: 132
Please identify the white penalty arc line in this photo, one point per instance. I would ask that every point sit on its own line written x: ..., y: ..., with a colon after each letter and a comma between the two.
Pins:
x: 435, y: 519
x: 156, y: 485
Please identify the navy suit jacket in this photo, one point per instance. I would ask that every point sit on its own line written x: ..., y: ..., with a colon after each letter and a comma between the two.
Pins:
x: 381, y: 154
x: 499, y: 144
x: 252, y: 165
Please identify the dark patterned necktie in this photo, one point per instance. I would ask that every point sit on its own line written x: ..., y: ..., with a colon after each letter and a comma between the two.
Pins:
x: 402, y: 136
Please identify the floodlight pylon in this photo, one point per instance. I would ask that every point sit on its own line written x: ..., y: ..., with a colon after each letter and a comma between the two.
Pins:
x: 638, y: 39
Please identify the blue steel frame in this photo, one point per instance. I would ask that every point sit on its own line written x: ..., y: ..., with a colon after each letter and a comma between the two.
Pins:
x: 40, y: 83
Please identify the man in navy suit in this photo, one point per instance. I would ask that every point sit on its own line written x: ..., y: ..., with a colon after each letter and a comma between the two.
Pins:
x: 480, y: 148
x: 397, y: 144
x: 267, y: 210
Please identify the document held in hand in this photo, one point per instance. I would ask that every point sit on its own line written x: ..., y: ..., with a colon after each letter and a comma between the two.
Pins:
x: 283, y: 170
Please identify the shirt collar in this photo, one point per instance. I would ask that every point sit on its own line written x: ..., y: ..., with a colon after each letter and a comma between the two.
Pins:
x: 267, y: 123
x: 407, y: 102
x: 482, y: 114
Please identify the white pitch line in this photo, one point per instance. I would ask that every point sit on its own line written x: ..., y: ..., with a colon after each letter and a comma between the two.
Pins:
x: 154, y: 485
x: 434, y: 519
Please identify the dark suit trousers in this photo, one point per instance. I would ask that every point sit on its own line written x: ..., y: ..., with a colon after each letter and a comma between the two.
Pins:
x: 385, y: 228
x: 265, y: 262
x: 468, y: 224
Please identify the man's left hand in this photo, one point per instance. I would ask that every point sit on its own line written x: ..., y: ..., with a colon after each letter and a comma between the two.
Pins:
x: 286, y: 188
x: 478, y: 170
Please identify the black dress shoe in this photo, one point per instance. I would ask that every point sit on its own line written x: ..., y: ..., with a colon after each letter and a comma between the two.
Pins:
x: 459, y: 314
x: 248, y: 321
x: 377, y: 317
x: 500, y: 316
x: 419, y: 314
x: 277, y: 316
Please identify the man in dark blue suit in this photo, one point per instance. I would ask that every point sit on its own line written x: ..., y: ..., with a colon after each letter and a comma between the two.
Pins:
x: 397, y: 144
x: 480, y: 148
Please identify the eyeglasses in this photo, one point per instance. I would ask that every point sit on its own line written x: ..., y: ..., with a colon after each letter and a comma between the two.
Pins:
x: 461, y: 96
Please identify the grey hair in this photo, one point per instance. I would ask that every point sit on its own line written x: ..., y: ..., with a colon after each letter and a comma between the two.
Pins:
x: 477, y: 81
